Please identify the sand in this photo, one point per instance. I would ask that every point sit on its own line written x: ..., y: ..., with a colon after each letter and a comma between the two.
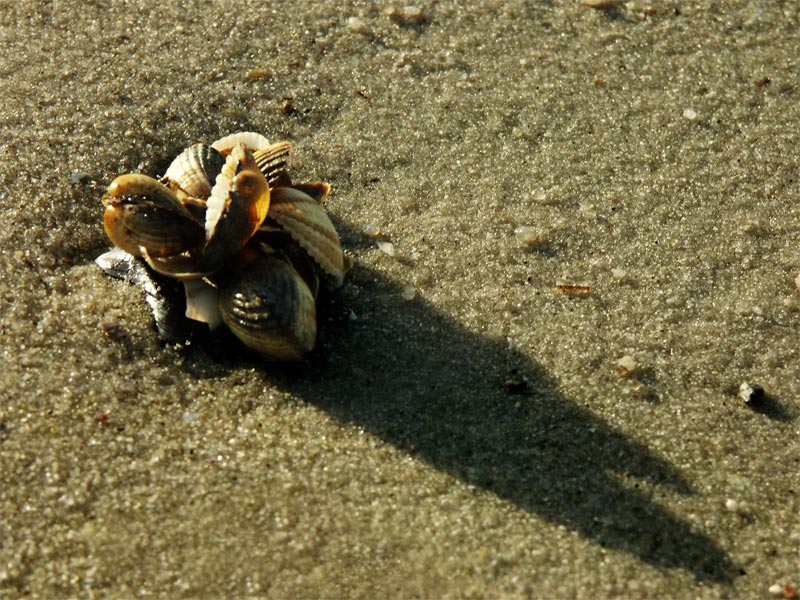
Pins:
x: 502, y: 433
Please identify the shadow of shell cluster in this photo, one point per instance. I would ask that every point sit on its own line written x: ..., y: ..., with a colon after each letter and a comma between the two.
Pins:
x: 250, y: 246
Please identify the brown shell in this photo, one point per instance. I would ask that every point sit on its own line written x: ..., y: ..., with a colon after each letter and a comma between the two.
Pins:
x: 272, y: 161
x: 307, y: 222
x: 270, y: 309
x: 142, y: 213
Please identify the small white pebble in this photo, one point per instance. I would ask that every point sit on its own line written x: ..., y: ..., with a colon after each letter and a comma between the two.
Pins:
x: 527, y: 234
x: 751, y: 393
x: 408, y: 292
x: 370, y: 230
x: 690, y: 114
x: 626, y: 366
x: 539, y: 196
x: 618, y: 274
x: 776, y: 589
x: 732, y: 505
x: 356, y: 25
x: 386, y: 248
x: 797, y: 282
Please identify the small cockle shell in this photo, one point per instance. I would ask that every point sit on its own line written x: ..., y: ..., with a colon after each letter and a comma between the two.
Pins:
x: 309, y: 225
x: 194, y: 171
x: 272, y: 161
x: 270, y: 309
x: 142, y: 213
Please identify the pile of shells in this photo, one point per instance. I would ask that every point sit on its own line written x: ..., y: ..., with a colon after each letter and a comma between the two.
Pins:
x: 250, y: 246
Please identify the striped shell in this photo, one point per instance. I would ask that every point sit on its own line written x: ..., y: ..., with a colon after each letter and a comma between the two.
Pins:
x: 235, y: 209
x: 309, y: 225
x: 194, y: 170
x: 270, y: 309
x: 249, y: 245
x: 143, y: 216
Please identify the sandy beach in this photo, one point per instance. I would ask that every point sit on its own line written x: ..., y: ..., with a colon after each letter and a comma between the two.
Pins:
x: 596, y: 233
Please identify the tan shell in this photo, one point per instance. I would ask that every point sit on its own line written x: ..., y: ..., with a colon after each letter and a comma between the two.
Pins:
x: 309, y: 225
x: 142, y: 213
x: 270, y: 309
x: 272, y: 161
x: 194, y: 170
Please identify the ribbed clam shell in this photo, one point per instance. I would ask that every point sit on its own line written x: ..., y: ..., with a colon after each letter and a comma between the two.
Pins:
x: 272, y: 161
x: 194, y: 170
x: 237, y: 206
x: 142, y: 213
x: 252, y: 141
x: 308, y: 224
x: 270, y: 309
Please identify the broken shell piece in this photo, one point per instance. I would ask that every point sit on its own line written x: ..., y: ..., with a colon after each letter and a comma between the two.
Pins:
x: 528, y: 235
x: 202, y: 302
x: 371, y: 230
x: 627, y: 367
x: 408, y: 292
x: 387, y: 248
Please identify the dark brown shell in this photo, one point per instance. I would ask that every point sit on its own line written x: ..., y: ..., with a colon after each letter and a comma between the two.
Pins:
x: 270, y: 309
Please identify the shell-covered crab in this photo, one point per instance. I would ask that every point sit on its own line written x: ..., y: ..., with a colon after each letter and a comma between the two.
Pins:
x: 248, y: 244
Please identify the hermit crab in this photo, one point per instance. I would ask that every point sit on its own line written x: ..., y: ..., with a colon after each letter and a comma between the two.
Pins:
x: 250, y: 247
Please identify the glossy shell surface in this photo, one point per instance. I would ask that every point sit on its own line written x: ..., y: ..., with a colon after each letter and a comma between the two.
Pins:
x: 309, y: 225
x: 142, y: 213
x: 249, y: 245
x: 194, y: 170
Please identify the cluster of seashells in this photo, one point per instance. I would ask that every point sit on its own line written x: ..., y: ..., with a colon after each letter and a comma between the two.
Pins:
x: 250, y: 246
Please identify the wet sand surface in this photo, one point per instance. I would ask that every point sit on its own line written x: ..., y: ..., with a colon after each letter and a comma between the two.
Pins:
x: 554, y: 413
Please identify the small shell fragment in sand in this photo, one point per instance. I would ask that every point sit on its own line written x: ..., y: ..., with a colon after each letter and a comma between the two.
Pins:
x: 539, y: 196
x: 356, y: 25
x: 406, y: 15
x: 409, y: 292
x: 386, y: 248
x: 732, y: 505
x: 797, y: 282
x: 370, y: 230
x: 751, y: 393
x: 618, y: 274
x: 627, y: 367
x: 602, y: 3
x: 690, y: 114
x: 528, y: 235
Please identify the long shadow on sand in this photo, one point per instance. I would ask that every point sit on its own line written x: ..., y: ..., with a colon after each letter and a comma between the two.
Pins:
x: 406, y: 373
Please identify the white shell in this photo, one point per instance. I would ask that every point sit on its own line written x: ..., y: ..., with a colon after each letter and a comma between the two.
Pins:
x: 202, y: 302
x: 252, y: 141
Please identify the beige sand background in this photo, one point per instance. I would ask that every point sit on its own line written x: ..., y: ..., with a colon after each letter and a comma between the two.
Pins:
x: 651, y: 148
